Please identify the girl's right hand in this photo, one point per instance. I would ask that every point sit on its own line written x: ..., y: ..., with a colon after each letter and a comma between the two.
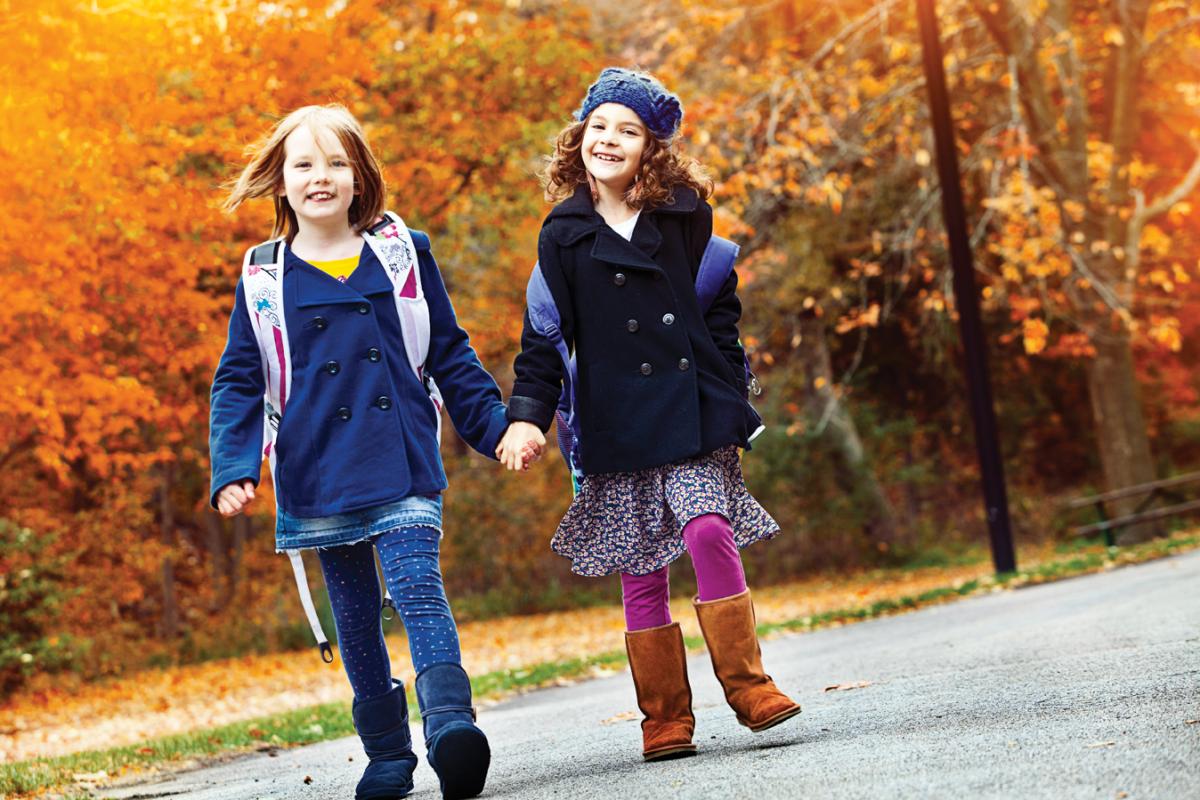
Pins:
x: 521, y: 445
x: 234, y: 497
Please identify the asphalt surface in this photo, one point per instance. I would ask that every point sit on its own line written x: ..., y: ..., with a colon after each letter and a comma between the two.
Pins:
x: 1085, y: 688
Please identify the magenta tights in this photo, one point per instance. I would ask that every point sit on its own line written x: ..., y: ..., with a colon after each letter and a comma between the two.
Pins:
x: 709, y: 540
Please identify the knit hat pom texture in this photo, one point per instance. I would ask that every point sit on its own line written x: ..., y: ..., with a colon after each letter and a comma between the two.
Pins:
x: 649, y: 99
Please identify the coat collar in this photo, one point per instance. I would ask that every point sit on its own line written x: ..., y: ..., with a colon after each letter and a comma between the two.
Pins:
x: 637, y: 252
x: 579, y: 204
x: 315, y: 288
x: 576, y: 217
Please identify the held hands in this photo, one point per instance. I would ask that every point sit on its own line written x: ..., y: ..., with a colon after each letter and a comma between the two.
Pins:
x: 521, y: 446
x: 234, y: 497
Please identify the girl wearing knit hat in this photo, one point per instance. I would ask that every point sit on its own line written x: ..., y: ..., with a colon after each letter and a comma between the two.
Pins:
x: 661, y: 401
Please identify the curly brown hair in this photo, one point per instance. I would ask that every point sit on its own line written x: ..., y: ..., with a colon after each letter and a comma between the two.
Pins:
x: 662, y: 169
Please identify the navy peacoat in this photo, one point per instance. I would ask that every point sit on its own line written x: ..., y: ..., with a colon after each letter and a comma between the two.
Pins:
x: 358, y: 429
x: 659, y: 380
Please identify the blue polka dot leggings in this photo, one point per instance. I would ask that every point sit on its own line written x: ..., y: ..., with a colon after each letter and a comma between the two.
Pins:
x: 409, y: 557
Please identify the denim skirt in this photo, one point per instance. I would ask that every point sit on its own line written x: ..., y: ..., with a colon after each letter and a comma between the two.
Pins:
x: 300, y: 533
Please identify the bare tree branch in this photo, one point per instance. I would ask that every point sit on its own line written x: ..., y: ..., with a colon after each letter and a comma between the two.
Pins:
x: 1167, y: 33
x: 1144, y: 213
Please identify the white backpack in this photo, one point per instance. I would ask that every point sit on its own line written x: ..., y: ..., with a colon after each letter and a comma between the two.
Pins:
x: 262, y: 282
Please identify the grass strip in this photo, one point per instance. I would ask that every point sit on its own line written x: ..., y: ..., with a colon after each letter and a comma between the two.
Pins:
x: 333, y: 721
x: 303, y: 726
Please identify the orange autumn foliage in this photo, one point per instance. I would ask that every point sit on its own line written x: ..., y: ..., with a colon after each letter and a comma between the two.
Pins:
x: 117, y: 267
x: 119, y: 122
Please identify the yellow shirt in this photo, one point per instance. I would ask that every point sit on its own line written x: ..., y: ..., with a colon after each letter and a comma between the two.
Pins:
x: 340, y: 268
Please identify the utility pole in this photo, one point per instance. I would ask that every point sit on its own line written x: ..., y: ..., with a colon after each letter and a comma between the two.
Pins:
x: 966, y: 296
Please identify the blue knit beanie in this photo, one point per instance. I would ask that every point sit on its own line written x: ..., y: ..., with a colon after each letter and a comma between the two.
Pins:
x: 648, y: 98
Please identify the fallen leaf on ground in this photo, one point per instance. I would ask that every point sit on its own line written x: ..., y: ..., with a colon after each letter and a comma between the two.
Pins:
x: 90, y: 777
x: 624, y: 716
x: 845, y: 687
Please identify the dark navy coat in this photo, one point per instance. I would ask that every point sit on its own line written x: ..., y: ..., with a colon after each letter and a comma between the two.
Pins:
x: 358, y: 429
x: 659, y: 381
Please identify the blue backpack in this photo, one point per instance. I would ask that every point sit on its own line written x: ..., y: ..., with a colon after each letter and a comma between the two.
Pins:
x: 715, y: 266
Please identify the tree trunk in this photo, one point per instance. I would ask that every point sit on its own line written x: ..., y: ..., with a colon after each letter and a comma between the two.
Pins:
x: 829, y: 415
x: 1062, y: 140
x: 216, y: 559
x: 170, y: 607
x: 1120, y: 426
x: 241, y: 532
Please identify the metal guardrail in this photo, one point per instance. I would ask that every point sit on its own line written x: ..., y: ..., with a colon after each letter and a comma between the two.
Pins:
x: 1143, y: 513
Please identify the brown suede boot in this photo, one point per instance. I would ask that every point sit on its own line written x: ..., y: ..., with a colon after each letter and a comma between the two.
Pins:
x: 659, y: 665
x: 728, y: 626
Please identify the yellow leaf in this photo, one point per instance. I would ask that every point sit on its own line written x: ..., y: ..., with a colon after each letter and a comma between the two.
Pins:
x: 1034, y: 332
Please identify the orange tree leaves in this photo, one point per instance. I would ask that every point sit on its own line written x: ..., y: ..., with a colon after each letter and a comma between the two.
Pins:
x: 120, y: 121
x: 118, y: 269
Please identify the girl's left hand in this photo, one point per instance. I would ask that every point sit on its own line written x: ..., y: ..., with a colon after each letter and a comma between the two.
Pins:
x: 522, y: 444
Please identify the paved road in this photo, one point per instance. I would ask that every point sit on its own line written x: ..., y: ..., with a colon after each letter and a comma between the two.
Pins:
x: 1079, y: 689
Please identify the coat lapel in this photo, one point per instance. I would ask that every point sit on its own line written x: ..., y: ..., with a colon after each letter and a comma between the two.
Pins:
x: 611, y: 246
x: 315, y: 288
x: 576, y: 218
x: 370, y: 277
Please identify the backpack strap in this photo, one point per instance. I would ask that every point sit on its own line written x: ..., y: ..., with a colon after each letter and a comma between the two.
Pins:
x: 310, y: 610
x: 396, y: 248
x: 715, y: 266
x: 262, y: 284
x: 546, y: 321
x: 267, y: 253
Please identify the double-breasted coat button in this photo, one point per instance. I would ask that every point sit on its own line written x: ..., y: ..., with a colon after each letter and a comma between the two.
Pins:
x: 631, y: 326
x: 619, y: 279
x: 373, y: 354
x: 684, y: 364
x: 343, y: 413
x: 384, y: 402
x: 332, y: 367
x: 364, y: 308
x: 320, y: 323
x: 668, y: 319
x: 647, y: 369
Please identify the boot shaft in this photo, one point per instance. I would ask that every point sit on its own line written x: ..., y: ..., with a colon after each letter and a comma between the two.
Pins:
x: 658, y: 662
x: 456, y: 748
x: 382, y: 724
x: 444, y: 696
x: 729, y: 631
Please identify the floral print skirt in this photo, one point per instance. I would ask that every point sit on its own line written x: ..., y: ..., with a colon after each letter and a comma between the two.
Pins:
x: 632, y: 522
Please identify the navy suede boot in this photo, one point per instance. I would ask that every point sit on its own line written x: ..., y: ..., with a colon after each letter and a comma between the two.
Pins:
x: 457, y: 750
x: 382, y: 724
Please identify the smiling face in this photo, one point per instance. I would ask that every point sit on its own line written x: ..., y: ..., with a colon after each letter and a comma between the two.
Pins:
x: 613, y: 143
x: 318, y: 177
